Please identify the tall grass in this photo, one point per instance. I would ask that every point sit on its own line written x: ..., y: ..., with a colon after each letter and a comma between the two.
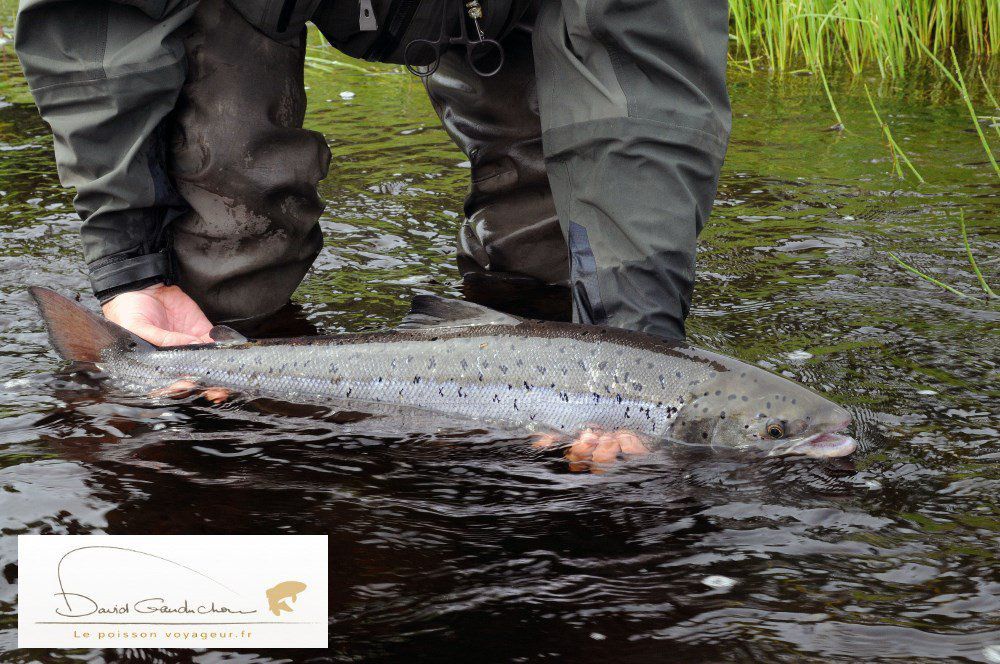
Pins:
x: 885, y: 34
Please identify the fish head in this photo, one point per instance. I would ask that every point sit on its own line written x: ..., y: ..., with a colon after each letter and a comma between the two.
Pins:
x: 748, y: 407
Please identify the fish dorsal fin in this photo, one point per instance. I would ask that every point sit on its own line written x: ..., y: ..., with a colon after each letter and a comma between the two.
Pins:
x: 430, y: 312
x: 223, y: 334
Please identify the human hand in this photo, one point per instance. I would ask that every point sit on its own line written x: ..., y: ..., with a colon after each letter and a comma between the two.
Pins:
x: 162, y: 315
x: 593, y: 448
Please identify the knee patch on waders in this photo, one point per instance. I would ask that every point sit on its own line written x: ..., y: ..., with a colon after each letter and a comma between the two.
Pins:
x: 249, y: 170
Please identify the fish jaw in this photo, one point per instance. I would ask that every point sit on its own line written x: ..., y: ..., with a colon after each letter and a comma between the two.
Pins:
x: 827, y: 445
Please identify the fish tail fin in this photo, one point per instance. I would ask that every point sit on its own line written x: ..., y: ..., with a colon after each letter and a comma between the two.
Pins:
x: 76, y: 333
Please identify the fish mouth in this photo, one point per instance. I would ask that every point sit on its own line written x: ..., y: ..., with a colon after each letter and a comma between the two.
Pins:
x: 827, y: 445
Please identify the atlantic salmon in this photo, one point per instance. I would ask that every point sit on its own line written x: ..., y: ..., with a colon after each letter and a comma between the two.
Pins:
x: 460, y: 359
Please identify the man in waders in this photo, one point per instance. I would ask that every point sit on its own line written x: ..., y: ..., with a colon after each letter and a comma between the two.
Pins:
x: 595, y: 149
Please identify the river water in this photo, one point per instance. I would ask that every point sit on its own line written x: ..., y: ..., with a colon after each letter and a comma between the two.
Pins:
x: 450, y: 545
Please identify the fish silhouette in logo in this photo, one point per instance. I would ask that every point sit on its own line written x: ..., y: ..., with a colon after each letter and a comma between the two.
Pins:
x: 277, y: 595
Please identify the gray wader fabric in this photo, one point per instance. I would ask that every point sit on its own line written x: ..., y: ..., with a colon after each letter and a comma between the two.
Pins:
x: 629, y: 101
x: 105, y: 77
x: 511, y: 250
x: 242, y: 160
x: 635, y: 121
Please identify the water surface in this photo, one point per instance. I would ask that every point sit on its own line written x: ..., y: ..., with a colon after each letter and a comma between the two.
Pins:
x: 446, y: 543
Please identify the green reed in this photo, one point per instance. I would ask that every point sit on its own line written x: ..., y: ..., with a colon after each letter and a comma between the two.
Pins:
x: 894, y: 149
x: 989, y: 292
x: 885, y: 34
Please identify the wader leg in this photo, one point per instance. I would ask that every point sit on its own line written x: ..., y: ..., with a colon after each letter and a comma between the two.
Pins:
x: 248, y: 169
x: 635, y: 119
x: 511, y: 251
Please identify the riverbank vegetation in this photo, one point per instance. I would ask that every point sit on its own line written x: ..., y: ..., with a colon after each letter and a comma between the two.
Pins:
x: 887, y: 35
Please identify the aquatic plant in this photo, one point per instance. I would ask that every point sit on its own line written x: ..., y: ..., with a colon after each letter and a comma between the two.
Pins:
x: 894, y: 149
x: 887, y: 34
x: 989, y: 292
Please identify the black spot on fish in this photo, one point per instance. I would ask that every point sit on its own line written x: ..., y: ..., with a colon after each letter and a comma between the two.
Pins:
x: 718, y: 392
x: 465, y: 365
x: 768, y: 405
x: 704, y: 435
x: 732, y: 397
x: 416, y: 380
x: 519, y: 362
x: 503, y: 368
x: 602, y: 365
x: 744, y: 398
x: 793, y: 402
x: 526, y: 386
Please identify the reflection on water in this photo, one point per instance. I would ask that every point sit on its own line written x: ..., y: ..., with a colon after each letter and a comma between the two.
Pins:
x: 449, y: 539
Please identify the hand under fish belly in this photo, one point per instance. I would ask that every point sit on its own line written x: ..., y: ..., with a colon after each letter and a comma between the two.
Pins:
x: 604, y: 392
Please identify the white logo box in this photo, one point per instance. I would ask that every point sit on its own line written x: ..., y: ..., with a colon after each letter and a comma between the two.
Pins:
x: 194, y: 591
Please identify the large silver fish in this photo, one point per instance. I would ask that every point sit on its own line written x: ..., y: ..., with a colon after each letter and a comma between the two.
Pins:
x: 461, y: 359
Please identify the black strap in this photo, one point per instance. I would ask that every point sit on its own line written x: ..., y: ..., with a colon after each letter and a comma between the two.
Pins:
x: 117, y: 275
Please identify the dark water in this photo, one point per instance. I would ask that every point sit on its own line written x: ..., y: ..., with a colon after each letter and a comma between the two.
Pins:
x: 446, y: 545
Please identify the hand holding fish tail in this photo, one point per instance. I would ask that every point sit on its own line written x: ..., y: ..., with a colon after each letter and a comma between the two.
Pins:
x: 162, y: 315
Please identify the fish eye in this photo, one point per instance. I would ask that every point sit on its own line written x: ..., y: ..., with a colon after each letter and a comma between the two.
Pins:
x: 775, y: 429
